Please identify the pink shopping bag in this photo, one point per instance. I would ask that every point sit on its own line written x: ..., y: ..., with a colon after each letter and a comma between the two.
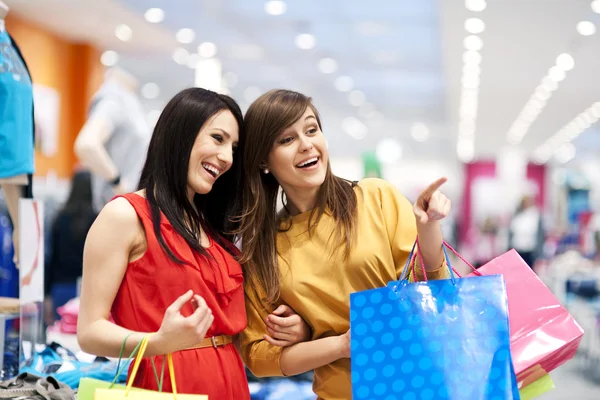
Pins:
x: 543, y: 335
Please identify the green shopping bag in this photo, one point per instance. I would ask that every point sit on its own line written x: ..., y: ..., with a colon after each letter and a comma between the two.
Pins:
x: 88, y: 386
x: 537, y: 388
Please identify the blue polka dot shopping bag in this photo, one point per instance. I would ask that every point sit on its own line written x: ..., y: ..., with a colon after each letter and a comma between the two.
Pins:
x: 443, y: 339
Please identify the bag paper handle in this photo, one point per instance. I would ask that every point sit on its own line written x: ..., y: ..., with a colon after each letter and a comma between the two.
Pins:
x: 416, y: 252
x: 138, y: 361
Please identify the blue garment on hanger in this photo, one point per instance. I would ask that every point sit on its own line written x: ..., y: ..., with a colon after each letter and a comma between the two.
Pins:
x: 16, y: 112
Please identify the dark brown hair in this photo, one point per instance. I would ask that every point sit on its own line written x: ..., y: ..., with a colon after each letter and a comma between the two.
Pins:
x: 266, y: 118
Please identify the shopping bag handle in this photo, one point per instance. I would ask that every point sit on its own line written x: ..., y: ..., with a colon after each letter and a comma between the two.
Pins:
x: 468, y: 264
x: 416, y: 252
x: 135, y: 350
x: 138, y: 361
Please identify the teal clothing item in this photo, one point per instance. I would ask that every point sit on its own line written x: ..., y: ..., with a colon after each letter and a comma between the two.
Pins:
x: 16, y: 112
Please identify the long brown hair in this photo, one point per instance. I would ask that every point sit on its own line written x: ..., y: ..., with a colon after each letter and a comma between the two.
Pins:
x: 266, y: 118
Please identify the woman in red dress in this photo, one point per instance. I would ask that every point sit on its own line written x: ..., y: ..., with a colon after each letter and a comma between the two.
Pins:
x: 160, y: 260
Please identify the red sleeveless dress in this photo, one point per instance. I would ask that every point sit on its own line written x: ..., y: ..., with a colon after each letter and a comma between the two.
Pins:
x: 154, y: 282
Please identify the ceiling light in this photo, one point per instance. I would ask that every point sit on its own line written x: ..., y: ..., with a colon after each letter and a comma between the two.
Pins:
x: 472, y: 57
x: 354, y: 127
x: 472, y: 69
x: 549, y: 84
x: 465, y: 149
x: 327, y: 65
x: 123, y: 32
x: 109, y: 58
x: 343, y: 83
x: 154, y: 15
x: 556, y: 74
x: 565, y: 62
x: 230, y: 79
x: 251, y: 93
x: 565, y: 153
x: 470, y: 82
x: 596, y: 6
x: 586, y: 28
x: 275, y: 7
x: 475, y: 5
x: 356, y: 98
x: 388, y: 151
x: 305, y: 41
x: 207, y: 50
x: 419, y: 132
x: 474, y: 25
x: 150, y: 90
x: 181, y: 56
x: 366, y: 109
x: 192, y: 61
x: 473, y: 42
x: 185, y: 35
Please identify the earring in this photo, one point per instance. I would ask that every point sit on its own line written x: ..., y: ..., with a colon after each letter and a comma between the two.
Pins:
x: 266, y: 171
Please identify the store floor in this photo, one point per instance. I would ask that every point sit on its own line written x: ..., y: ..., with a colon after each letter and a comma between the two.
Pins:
x: 571, y: 384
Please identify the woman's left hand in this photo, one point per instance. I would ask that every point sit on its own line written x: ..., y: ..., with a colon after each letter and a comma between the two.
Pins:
x: 286, y: 328
x: 432, y: 205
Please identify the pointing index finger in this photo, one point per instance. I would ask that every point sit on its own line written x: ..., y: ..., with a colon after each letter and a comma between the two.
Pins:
x: 434, y: 186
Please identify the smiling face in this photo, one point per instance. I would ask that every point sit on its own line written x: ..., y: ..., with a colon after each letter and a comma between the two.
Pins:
x: 299, y: 157
x: 212, y: 152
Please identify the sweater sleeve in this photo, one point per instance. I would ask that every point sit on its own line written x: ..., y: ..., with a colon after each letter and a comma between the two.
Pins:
x: 261, y: 357
x: 401, y: 228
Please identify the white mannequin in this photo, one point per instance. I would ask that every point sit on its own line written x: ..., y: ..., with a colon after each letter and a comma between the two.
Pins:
x: 89, y: 145
x: 3, y: 10
x: 12, y: 186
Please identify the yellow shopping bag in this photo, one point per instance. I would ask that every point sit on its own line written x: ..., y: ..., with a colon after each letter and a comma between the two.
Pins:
x: 128, y: 393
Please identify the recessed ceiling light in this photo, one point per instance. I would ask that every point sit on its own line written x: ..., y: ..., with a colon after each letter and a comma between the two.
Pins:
x: 207, y: 49
x: 154, y: 15
x: 556, y: 74
x: 123, y: 32
x: 344, y: 83
x: 275, y: 7
x: 354, y: 127
x: 185, y: 35
x: 474, y: 25
x: 475, y: 5
x: 565, y: 153
x: 472, y: 57
x: 565, y: 62
x: 192, y: 61
x: 586, y: 28
x: 327, y: 65
x: 109, y: 58
x: 150, y: 90
x: 419, y: 132
x: 473, y: 42
x: 465, y: 149
x: 305, y: 41
x: 596, y: 6
x: 389, y: 151
x: 356, y: 98
x: 181, y: 56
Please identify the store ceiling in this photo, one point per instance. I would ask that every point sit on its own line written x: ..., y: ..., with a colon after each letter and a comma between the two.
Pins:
x: 405, y: 57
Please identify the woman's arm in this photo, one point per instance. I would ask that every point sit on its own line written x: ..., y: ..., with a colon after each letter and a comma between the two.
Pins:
x: 115, y: 234
x: 306, y: 356
x: 109, y: 243
x: 431, y: 206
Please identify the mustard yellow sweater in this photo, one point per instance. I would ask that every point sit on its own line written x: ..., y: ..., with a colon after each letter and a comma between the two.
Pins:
x: 317, y: 284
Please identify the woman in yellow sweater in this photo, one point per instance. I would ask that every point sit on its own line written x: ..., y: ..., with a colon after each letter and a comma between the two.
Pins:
x: 333, y: 237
